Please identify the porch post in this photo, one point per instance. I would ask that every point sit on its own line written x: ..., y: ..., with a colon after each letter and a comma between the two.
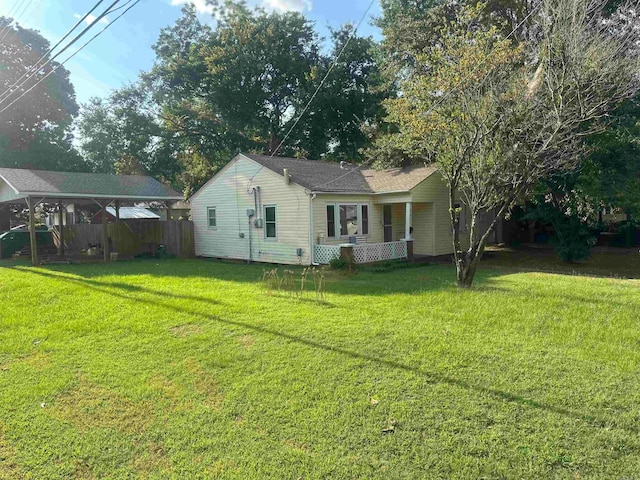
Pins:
x: 105, y: 232
x: 407, y: 221
x: 5, y: 217
x: 32, y: 231
x: 117, y: 205
x: 61, y: 212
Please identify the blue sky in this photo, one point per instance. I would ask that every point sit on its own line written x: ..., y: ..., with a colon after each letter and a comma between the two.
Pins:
x: 120, y: 53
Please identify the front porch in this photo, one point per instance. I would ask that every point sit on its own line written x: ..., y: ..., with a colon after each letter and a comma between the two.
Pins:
x: 364, y: 252
x: 390, y: 230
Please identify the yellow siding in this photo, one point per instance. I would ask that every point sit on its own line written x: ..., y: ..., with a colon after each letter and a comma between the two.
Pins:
x: 423, y: 230
x: 434, y: 190
x: 229, y: 193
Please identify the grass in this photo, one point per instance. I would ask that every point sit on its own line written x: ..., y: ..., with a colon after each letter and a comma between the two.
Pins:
x: 189, y: 369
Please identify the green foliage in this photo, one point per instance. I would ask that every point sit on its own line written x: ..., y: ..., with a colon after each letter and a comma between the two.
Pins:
x: 237, y: 87
x: 34, y: 131
x: 339, y: 263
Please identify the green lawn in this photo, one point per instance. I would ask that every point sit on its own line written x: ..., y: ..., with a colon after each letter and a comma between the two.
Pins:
x: 189, y: 369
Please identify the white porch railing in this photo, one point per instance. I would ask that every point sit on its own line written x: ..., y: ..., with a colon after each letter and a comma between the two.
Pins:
x: 363, y: 253
x: 378, y: 252
x: 323, y: 254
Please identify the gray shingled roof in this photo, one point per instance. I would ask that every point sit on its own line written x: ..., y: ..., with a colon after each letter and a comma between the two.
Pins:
x: 74, y: 184
x: 317, y: 175
x: 321, y: 176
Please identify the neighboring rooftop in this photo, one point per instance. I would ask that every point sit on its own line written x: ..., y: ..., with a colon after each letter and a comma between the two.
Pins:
x: 322, y: 176
x: 131, y: 213
x: 75, y: 184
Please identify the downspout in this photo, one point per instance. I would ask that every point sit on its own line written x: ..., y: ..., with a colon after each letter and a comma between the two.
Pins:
x: 250, y: 247
x: 312, y: 196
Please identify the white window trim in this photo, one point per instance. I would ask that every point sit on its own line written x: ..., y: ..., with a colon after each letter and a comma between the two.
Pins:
x: 336, y: 219
x: 209, y: 227
x: 270, y: 239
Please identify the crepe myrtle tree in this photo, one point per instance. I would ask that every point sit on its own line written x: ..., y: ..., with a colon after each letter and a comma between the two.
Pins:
x: 499, y: 114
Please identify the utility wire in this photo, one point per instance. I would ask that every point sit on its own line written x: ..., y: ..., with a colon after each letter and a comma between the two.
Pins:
x: 442, y: 99
x: 17, y: 15
x: 333, y: 65
x: 71, y: 56
x: 37, y: 65
x: 9, y: 18
x: 5, y: 95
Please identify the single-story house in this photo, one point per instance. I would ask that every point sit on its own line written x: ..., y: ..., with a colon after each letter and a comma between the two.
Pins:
x: 295, y: 211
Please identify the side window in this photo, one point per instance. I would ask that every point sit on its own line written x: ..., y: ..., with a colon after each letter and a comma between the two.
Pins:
x: 348, y: 220
x: 211, y: 217
x: 364, y: 219
x: 270, y: 228
x: 331, y: 221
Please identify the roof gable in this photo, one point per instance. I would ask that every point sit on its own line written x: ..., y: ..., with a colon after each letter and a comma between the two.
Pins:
x: 397, y: 179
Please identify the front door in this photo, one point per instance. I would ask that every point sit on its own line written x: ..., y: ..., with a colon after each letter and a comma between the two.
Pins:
x: 386, y: 223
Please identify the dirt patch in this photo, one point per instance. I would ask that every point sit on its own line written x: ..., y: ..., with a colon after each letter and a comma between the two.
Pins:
x: 9, y: 470
x: 247, y: 341
x: 90, y: 406
x: 204, y: 383
x: 166, y: 387
x: 301, y: 447
x: 153, y: 460
x: 186, y: 330
x: 38, y: 360
x: 83, y: 470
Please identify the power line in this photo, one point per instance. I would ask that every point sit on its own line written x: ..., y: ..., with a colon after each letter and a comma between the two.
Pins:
x: 37, y: 65
x: 9, y: 17
x: 15, y: 17
x: 6, y: 95
x: 333, y: 65
x: 72, y: 55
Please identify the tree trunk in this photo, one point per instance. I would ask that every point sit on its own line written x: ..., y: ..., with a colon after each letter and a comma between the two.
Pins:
x: 467, y: 262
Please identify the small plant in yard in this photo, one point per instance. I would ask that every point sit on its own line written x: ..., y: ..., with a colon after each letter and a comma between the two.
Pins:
x: 341, y: 264
x: 274, y: 282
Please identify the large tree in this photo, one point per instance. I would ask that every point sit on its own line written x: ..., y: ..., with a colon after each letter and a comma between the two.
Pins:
x: 498, y: 114
x: 240, y: 86
x: 34, y: 130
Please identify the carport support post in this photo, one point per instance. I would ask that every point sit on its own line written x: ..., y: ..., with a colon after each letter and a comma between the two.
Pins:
x: 61, y: 212
x: 105, y: 232
x: 117, y: 205
x: 32, y: 231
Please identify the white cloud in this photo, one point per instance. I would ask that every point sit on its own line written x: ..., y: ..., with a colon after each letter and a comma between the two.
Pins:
x: 91, y: 18
x: 286, y: 5
x: 201, y: 5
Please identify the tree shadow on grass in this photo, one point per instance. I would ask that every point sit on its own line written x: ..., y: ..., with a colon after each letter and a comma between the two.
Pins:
x: 434, y: 377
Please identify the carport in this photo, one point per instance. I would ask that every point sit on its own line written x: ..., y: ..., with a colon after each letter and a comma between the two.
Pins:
x: 34, y: 187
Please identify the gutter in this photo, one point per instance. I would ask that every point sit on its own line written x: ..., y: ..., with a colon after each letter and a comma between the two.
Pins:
x: 89, y: 195
x: 360, y: 193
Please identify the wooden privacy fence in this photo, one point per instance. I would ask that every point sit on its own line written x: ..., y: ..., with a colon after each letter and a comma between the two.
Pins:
x: 135, y: 237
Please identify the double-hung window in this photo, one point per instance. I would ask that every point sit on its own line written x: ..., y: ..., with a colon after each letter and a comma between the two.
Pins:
x: 211, y: 217
x: 270, y: 228
x: 347, y: 219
